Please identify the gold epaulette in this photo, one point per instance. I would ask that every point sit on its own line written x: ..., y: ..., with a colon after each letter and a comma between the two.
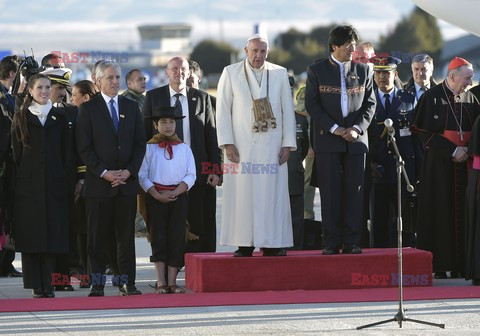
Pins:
x: 81, y: 169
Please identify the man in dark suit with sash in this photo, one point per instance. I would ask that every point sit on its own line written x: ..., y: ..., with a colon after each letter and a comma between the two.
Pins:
x: 340, y: 99
x: 111, y: 142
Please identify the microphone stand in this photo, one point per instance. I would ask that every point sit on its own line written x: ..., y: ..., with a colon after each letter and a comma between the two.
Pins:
x: 400, y: 316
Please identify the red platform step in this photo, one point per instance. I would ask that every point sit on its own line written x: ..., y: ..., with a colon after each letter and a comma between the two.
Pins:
x: 308, y: 270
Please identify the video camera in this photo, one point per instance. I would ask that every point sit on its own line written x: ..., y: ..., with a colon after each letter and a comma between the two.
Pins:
x: 27, y: 68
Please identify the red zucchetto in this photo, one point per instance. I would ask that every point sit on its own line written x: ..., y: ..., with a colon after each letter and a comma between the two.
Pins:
x: 457, y: 62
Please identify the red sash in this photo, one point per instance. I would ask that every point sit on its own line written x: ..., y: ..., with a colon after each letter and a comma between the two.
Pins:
x: 161, y: 187
x: 454, y: 137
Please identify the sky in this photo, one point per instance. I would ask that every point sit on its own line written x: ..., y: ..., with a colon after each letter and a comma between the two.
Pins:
x: 110, y: 25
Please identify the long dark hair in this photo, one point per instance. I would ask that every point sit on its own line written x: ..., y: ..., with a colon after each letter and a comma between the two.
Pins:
x: 86, y: 87
x: 20, y: 118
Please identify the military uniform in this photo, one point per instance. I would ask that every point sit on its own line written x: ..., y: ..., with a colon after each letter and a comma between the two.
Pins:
x: 296, y: 178
x: 383, y: 198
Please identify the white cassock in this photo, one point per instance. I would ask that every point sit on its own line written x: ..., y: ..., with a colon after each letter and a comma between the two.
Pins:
x: 256, y: 205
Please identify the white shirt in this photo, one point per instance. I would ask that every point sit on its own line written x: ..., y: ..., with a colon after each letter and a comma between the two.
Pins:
x: 381, y: 94
x: 344, y: 68
x: 186, y: 120
x: 419, y: 91
x: 156, y: 168
x: 107, y: 101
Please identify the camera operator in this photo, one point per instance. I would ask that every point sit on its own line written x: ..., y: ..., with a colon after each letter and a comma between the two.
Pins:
x: 8, y: 71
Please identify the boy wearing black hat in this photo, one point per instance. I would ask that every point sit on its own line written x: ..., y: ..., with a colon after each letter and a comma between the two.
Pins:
x: 167, y: 172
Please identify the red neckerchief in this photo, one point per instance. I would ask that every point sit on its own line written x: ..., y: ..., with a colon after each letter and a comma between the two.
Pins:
x: 166, y: 142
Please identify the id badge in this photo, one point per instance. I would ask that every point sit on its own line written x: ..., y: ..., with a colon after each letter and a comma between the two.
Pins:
x: 405, y: 132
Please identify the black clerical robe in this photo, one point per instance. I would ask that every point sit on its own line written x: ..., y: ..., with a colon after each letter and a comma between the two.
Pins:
x: 472, y: 225
x: 441, y: 192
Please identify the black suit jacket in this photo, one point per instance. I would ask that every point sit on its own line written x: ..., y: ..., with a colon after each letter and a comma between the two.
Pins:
x: 102, y: 149
x: 322, y: 101
x: 203, y: 131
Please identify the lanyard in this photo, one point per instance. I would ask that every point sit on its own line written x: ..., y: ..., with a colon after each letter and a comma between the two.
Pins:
x: 248, y: 83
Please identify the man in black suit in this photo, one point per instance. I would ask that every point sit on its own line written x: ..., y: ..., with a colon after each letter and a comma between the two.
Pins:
x: 340, y: 99
x: 111, y: 142
x: 199, y: 132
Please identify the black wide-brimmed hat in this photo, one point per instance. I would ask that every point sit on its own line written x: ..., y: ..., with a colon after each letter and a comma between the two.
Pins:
x: 165, y: 112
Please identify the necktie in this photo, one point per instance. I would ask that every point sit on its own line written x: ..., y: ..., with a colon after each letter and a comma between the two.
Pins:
x: 179, y: 112
x: 420, y: 92
x: 114, y: 115
x: 387, y: 102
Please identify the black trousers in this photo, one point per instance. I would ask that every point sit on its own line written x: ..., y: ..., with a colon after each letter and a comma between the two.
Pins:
x: 6, y: 259
x: 201, y: 218
x: 296, y: 208
x: 384, y: 214
x: 341, y: 177
x: 37, y: 269
x: 112, y: 218
x: 167, y: 222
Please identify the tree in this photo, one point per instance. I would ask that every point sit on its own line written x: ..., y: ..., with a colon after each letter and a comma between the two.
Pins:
x: 296, y: 50
x: 213, y: 56
x: 417, y: 33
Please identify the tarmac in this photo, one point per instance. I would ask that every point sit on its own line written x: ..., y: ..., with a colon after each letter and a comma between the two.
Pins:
x: 461, y: 317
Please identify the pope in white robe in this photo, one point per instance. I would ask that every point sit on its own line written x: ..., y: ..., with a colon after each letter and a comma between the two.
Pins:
x: 256, y: 206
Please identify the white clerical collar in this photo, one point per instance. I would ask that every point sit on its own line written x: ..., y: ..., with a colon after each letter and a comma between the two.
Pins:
x: 254, y: 69
x: 183, y: 91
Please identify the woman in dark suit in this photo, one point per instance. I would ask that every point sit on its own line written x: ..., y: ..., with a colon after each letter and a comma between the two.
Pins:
x: 82, y: 91
x: 39, y: 141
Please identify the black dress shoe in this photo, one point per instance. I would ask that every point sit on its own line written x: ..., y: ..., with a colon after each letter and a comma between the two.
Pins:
x: 274, y: 252
x: 330, y: 251
x: 66, y: 288
x: 96, y: 291
x: 244, y: 251
x: 476, y: 282
x: 351, y: 249
x: 440, y: 275
x: 457, y: 275
x: 37, y: 293
x: 49, y: 293
x: 13, y: 273
x: 129, y: 290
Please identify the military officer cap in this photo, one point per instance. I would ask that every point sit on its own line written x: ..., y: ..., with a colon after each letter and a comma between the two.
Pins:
x: 58, y: 75
x: 385, y: 63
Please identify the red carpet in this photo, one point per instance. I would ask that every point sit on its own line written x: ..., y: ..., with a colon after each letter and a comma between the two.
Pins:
x: 308, y: 270
x: 237, y: 298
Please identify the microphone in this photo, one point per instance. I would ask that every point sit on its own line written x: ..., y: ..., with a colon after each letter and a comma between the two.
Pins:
x: 389, y: 127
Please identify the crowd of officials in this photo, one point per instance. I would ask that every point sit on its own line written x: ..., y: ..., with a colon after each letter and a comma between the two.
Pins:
x: 81, y: 164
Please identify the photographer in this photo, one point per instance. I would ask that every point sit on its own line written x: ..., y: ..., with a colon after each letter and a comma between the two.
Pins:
x: 8, y: 70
